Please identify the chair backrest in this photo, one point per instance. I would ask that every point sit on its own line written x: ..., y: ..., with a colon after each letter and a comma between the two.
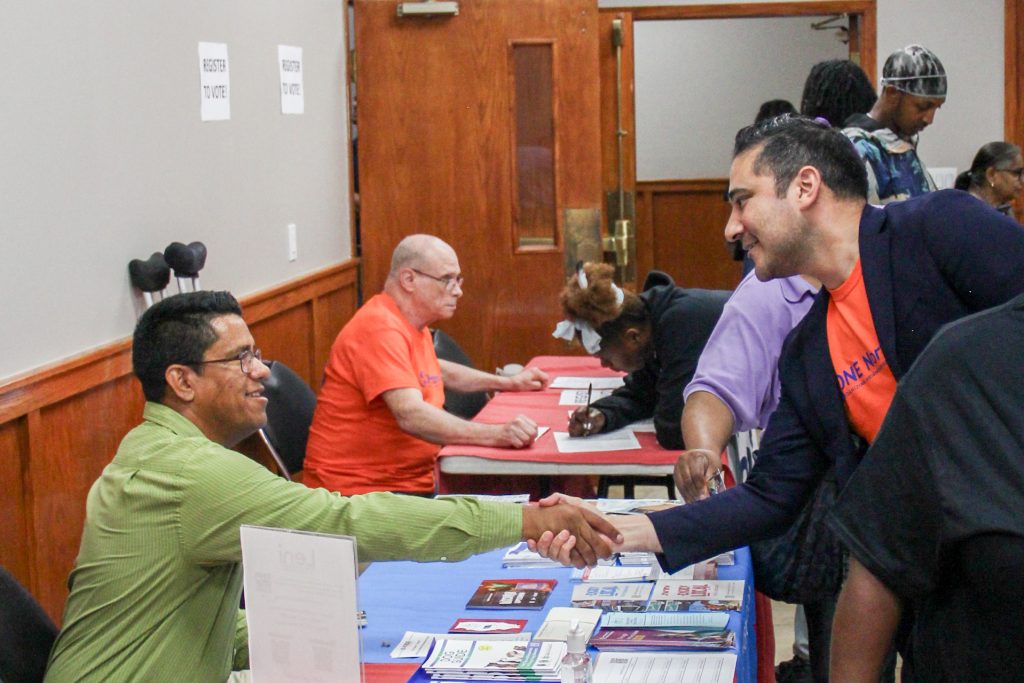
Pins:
x: 26, y: 633
x: 290, y: 406
x: 455, y: 402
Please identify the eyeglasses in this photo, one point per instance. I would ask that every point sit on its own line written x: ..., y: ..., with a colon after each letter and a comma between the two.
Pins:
x: 246, y: 360
x: 450, y: 282
x: 1019, y: 172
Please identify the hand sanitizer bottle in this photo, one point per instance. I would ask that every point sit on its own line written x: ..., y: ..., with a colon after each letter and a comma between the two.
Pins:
x: 576, y: 663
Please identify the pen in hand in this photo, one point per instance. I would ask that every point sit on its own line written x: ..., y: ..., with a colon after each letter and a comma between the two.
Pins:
x: 588, y: 425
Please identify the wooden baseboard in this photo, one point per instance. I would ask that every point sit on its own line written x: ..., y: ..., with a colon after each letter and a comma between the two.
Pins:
x: 60, y: 424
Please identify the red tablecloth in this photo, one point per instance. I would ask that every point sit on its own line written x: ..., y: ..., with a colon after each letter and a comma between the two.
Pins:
x: 542, y: 407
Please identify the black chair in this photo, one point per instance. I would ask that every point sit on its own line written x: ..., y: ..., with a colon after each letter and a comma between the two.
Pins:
x: 290, y: 406
x: 465, y: 405
x: 26, y: 633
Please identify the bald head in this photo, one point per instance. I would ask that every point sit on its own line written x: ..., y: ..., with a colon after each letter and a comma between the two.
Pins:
x: 415, y: 250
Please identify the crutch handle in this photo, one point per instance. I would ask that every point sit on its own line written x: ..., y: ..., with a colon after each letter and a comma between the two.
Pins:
x: 186, y: 260
x: 151, y: 275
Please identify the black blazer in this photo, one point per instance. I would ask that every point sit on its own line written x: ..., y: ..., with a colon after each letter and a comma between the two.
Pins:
x: 926, y: 262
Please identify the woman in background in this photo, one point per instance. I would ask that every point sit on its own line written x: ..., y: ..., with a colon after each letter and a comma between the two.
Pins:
x: 656, y: 337
x: 996, y: 175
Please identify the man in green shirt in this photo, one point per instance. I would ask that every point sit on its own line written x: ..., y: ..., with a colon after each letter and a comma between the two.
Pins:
x: 156, y: 585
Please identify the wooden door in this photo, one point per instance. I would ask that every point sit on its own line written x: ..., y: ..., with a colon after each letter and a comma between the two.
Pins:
x: 483, y: 129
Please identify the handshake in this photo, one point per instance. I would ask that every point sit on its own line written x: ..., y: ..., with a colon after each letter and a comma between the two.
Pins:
x: 573, y: 532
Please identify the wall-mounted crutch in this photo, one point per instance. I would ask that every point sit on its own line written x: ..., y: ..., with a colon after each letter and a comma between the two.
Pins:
x: 150, y: 276
x: 186, y: 260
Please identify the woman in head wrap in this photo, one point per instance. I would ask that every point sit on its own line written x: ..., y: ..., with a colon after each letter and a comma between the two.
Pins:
x: 996, y: 175
x: 656, y: 337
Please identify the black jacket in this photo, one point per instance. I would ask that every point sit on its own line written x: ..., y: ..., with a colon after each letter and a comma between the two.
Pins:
x: 681, y: 322
x: 926, y: 261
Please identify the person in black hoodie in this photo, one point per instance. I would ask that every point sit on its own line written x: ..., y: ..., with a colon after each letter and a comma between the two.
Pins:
x: 656, y: 337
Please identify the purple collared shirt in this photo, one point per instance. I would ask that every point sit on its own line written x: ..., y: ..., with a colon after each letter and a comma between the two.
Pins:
x: 740, y: 362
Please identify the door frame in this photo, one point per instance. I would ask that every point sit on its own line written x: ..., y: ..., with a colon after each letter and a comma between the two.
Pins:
x: 863, y: 43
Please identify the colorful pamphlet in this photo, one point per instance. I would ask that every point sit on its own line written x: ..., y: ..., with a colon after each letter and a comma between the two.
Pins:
x: 709, y: 620
x: 672, y: 595
x: 512, y: 594
x: 484, y: 659
x: 627, y: 639
x: 612, y: 597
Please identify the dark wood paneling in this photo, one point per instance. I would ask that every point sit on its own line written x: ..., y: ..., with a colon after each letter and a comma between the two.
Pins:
x: 330, y: 313
x: 14, y: 524
x: 1013, y: 86
x: 686, y: 219
x: 75, y: 440
x: 60, y: 425
x: 287, y: 337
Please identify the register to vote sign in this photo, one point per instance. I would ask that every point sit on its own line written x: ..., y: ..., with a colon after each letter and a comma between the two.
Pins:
x: 214, y: 82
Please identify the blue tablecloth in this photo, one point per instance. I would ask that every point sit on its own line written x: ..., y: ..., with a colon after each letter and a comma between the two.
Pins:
x: 429, y: 597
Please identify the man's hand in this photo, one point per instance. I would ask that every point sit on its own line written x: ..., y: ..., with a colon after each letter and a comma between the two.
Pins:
x: 693, y: 471
x: 584, y: 421
x: 529, y: 379
x: 584, y: 535
x: 516, y: 433
x: 636, y: 533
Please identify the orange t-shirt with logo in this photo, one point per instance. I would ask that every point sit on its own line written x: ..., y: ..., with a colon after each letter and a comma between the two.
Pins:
x: 355, y: 444
x: 862, y: 371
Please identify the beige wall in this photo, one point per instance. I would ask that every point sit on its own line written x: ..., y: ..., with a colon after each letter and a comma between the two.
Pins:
x: 105, y: 158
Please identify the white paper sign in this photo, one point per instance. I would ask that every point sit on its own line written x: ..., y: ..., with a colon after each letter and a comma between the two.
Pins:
x: 566, y: 382
x: 619, y: 440
x: 578, y: 397
x: 289, y: 63
x: 214, y: 82
x: 300, y: 603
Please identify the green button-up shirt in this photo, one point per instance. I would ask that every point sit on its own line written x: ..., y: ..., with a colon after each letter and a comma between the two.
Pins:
x: 155, y: 588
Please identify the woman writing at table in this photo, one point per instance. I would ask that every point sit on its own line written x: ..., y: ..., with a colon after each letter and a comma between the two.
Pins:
x: 656, y: 337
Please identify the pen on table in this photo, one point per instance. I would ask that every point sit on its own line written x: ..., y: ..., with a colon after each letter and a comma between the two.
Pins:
x: 587, y: 425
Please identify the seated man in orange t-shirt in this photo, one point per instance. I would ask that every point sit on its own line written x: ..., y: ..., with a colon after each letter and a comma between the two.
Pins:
x: 379, y: 419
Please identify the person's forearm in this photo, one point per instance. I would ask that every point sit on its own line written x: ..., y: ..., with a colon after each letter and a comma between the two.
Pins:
x: 466, y: 379
x: 867, y: 615
x: 433, y: 424
x: 707, y: 422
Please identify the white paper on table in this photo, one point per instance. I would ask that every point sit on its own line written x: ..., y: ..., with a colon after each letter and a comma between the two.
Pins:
x: 642, y: 667
x: 518, y: 498
x: 565, y: 382
x: 289, y: 64
x: 416, y: 644
x: 540, y: 432
x: 300, y: 604
x: 619, y: 440
x: 578, y: 397
x: 214, y: 82
x: 559, y: 620
x: 643, y: 426
x: 623, y: 506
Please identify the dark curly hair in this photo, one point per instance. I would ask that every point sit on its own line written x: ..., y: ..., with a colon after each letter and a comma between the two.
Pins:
x: 596, y: 304
x: 835, y: 90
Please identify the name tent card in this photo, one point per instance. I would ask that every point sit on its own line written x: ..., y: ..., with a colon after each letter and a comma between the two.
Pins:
x: 300, y: 600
